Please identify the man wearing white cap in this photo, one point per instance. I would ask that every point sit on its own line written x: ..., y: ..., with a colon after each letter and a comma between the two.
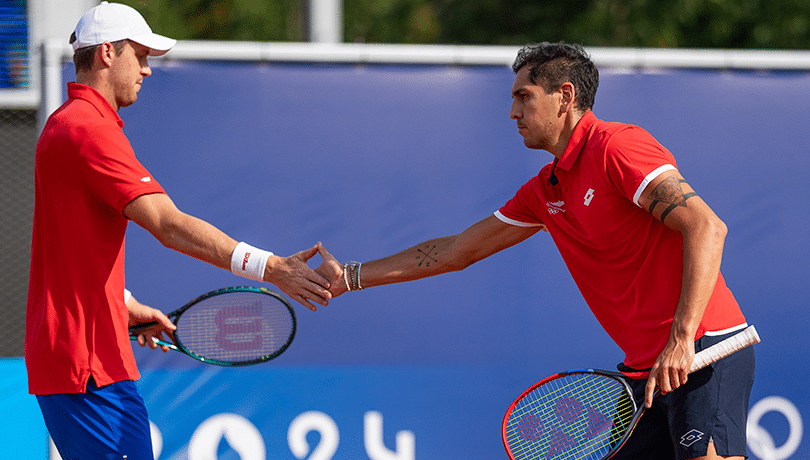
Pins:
x: 89, y: 184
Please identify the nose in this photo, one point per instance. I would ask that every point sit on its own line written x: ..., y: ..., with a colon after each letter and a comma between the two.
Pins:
x: 145, y: 69
x: 514, y: 112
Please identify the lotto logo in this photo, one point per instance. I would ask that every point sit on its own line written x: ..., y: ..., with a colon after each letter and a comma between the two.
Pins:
x: 589, y: 196
x: 691, y: 437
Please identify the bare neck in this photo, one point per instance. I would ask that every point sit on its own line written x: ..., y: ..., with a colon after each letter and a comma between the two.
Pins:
x: 97, y: 79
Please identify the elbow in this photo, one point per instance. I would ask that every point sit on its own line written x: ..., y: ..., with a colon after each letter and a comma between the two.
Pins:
x: 460, y: 262
x: 169, y: 234
x: 457, y: 265
x: 718, y: 229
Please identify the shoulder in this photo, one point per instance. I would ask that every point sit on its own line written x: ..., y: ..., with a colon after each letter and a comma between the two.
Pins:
x: 615, y: 134
x: 613, y: 141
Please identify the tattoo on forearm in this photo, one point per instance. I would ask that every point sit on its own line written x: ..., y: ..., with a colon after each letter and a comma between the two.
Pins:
x: 669, y: 192
x: 426, y: 256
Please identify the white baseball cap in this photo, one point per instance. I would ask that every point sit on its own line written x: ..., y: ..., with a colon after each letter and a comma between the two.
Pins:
x: 111, y: 22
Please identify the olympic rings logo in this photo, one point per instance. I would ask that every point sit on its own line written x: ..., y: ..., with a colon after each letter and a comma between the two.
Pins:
x: 759, y: 439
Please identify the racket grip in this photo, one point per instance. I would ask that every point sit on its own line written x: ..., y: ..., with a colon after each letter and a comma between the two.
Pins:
x: 158, y: 342
x: 722, y: 349
x: 141, y: 327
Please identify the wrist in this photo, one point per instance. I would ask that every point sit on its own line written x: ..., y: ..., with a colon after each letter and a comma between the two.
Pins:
x: 351, y: 276
x: 249, y: 262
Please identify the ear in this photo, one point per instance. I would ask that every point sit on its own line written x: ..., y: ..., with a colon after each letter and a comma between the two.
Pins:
x: 105, y: 53
x: 569, y: 94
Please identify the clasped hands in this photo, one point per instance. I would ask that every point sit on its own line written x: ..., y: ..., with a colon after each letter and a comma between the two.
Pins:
x: 303, y: 284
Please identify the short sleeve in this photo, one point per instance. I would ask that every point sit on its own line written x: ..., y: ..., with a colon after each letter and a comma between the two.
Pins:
x: 633, y: 158
x: 111, y: 170
x: 523, y: 210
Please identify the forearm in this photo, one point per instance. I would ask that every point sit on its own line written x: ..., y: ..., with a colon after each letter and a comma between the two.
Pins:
x: 199, y: 239
x: 445, y: 254
x: 196, y: 238
x: 431, y: 258
x: 702, y: 256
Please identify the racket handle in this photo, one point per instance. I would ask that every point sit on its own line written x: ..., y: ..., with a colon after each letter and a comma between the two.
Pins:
x: 157, y: 341
x: 722, y: 349
x: 143, y: 326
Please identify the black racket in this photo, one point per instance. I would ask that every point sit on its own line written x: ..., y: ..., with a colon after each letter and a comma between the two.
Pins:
x: 235, y: 326
x: 587, y: 414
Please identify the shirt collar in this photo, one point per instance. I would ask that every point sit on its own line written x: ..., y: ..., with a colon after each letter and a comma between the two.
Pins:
x: 89, y: 94
x: 577, y: 141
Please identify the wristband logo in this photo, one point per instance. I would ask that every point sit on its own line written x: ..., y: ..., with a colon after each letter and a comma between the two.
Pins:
x: 245, y: 261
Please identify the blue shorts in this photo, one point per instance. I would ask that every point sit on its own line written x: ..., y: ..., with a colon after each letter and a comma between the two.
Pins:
x: 711, y: 407
x: 104, y: 423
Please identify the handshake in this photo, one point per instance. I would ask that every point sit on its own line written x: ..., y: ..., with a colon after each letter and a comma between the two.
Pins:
x: 307, y: 286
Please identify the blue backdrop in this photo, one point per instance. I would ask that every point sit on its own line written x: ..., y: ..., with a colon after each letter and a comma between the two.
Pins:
x: 371, y: 159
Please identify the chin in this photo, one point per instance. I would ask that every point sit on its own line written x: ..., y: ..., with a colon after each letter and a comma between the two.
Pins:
x: 532, y: 145
x: 128, y: 102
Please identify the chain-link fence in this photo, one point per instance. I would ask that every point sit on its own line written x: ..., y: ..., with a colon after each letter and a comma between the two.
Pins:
x: 18, y: 137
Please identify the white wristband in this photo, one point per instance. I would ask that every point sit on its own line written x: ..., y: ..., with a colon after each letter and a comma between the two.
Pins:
x: 249, y: 262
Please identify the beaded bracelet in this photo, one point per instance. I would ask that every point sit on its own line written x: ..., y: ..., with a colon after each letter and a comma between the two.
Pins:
x: 351, y: 275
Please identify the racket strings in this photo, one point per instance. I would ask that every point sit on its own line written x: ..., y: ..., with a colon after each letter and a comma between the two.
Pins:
x: 579, y: 416
x: 236, y: 327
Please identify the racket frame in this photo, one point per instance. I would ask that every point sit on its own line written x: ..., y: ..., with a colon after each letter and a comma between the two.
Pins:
x: 178, y: 344
x: 617, y: 376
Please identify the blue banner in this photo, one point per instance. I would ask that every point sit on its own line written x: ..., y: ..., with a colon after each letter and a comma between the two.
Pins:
x: 371, y: 159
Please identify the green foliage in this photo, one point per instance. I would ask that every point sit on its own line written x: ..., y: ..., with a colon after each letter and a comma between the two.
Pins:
x: 633, y: 23
x: 248, y: 20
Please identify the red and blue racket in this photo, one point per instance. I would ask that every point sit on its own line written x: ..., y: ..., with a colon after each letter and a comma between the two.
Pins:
x: 587, y: 414
x: 236, y: 326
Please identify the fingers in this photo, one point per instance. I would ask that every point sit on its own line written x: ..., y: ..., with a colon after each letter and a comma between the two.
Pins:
x: 165, y: 321
x: 305, y: 302
x: 649, y: 392
x: 326, y: 255
x: 304, y: 285
x: 312, y: 275
x: 145, y: 339
x: 331, y: 269
x: 307, y: 254
x: 154, y: 333
x: 665, y: 378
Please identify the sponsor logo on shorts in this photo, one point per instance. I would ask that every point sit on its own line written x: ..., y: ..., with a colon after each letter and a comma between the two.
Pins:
x: 691, y: 437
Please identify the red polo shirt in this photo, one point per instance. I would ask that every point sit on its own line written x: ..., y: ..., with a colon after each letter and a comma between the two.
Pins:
x: 627, y: 264
x: 76, y: 320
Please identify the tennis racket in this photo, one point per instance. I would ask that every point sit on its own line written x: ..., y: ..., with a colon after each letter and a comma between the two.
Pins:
x: 587, y: 414
x: 235, y: 326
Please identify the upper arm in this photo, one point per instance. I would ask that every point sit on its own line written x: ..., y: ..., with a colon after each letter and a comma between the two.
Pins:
x: 670, y: 199
x: 153, y: 212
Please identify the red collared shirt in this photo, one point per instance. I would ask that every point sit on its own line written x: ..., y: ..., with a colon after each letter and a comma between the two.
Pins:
x: 627, y: 264
x: 76, y: 321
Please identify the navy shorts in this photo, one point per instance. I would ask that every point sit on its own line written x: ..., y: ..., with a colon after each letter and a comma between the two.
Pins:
x: 711, y: 407
x: 104, y: 423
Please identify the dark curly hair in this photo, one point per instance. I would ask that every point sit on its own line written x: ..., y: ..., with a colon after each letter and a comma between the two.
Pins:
x: 552, y: 64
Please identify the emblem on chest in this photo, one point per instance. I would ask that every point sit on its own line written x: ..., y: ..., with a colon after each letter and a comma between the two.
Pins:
x: 555, y: 206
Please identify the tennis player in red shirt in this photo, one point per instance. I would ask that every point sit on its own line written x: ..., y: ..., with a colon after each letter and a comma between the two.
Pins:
x: 89, y: 185
x: 643, y: 248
